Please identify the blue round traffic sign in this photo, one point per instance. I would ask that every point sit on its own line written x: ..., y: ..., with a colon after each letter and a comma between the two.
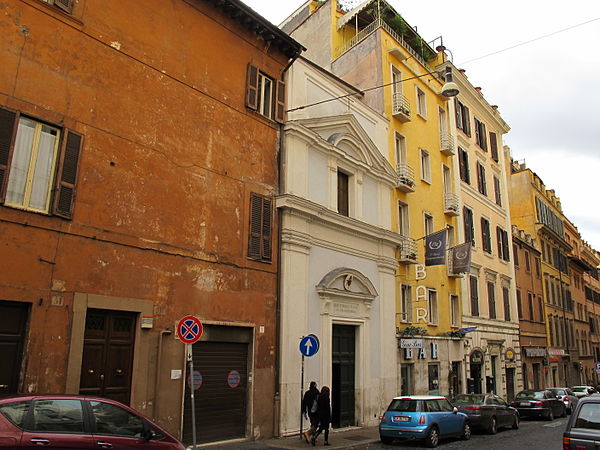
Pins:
x: 309, y: 345
x: 189, y: 329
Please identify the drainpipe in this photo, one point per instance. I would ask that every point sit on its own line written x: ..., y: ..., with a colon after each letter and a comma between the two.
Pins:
x: 162, y: 333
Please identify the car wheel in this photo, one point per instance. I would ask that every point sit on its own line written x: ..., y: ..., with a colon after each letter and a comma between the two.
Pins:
x: 466, y: 434
x: 515, y: 424
x: 385, y: 439
x: 550, y: 415
x: 433, y: 437
x: 493, y: 428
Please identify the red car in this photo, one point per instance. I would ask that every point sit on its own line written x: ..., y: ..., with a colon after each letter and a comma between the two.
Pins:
x: 78, y: 422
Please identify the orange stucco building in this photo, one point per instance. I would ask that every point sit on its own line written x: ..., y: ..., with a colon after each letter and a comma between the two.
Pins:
x: 138, y: 161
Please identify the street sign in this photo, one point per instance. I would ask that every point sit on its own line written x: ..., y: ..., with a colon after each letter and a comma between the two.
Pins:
x: 597, y: 366
x: 189, y: 329
x: 194, y: 380
x: 309, y: 345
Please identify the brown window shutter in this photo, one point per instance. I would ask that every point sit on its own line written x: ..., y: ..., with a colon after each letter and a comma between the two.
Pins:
x: 494, y: 146
x: 477, y: 137
x: 267, y: 226
x: 457, y: 113
x: 65, y: 5
x: 467, y: 120
x: 483, y: 137
x: 254, y: 244
x: 280, y: 102
x: 66, y: 178
x: 252, y: 87
x: 8, y: 124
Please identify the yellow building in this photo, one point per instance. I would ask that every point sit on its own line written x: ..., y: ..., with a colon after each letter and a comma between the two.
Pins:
x: 374, y: 49
x: 538, y: 211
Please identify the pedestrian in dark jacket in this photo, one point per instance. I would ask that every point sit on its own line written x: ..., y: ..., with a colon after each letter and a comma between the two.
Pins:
x: 309, y: 409
x: 324, y: 415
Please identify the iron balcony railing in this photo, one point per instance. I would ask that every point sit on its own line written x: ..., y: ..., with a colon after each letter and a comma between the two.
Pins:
x: 407, y: 250
x: 451, y: 202
x: 401, y: 105
x: 406, y: 177
x: 447, y: 143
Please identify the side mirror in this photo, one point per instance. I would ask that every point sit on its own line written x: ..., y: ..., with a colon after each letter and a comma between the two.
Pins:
x: 455, y: 410
x: 149, y: 434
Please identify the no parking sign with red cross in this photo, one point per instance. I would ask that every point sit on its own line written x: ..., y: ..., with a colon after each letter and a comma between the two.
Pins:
x: 189, y: 329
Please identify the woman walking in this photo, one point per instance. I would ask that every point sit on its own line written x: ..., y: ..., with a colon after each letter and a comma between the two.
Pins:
x: 324, y: 415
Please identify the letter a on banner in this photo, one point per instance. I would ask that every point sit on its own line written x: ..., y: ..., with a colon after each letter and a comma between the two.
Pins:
x: 435, y: 248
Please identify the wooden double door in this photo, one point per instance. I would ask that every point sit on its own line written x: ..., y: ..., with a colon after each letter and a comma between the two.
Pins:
x: 108, y: 354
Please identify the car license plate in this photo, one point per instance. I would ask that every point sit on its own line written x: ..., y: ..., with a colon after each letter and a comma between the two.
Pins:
x: 401, y: 418
x: 524, y: 403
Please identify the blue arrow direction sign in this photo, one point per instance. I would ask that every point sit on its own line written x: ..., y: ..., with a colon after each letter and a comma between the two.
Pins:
x: 309, y: 345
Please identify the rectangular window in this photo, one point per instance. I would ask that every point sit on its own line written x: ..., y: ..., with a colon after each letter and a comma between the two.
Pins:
x: 480, y: 134
x: 486, y: 237
x: 454, y: 311
x: 530, y: 305
x: 400, y: 149
x: 463, y: 165
x: 463, y: 121
x: 421, y: 103
x: 406, y: 303
x: 474, y: 296
x: 491, y: 300
x: 65, y: 5
x: 433, y: 375
x: 469, y: 225
x: 264, y: 94
x: 506, y: 299
x: 527, y: 262
x: 260, y: 239
x: 519, y: 305
x: 494, y: 146
x: 433, y: 306
x: 403, y: 219
x: 428, y: 224
x: 425, y: 166
x: 481, y: 183
x: 502, y: 237
x: 497, y: 191
x: 38, y: 165
x: 538, y: 269
x: 343, y: 193
x: 516, y: 255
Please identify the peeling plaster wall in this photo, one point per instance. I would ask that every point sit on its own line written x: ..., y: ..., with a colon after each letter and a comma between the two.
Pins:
x: 169, y: 161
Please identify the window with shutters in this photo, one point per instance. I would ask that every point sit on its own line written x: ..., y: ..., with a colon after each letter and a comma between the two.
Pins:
x: 38, y: 164
x: 480, y: 134
x: 474, y: 296
x: 491, y: 288
x: 502, y: 239
x: 432, y: 304
x: 486, y: 238
x: 497, y: 191
x: 463, y: 122
x: 261, y: 224
x: 65, y: 5
x: 343, y: 193
x: 527, y: 262
x: 463, y: 165
x: 265, y: 95
x: 481, y: 183
x: 425, y: 166
x: 494, y: 146
x: 421, y: 103
x: 506, y: 299
x: 519, y: 304
x: 469, y: 226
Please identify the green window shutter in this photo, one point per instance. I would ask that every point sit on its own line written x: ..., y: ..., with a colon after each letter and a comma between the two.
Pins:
x: 280, y: 102
x: 66, y: 178
x: 267, y: 225
x: 8, y: 123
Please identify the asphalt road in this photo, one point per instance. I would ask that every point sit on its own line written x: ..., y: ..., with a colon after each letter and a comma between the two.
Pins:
x: 531, y: 435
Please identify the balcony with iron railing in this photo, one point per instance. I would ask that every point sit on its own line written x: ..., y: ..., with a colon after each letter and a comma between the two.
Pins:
x: 407, y: 250
x: 401, y: 107
x: 447, y: 143
x: 451, y: 204
x: 406, y: 178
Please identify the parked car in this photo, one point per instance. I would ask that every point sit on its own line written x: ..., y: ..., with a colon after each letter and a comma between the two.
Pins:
x: 567, y: 396
x: 74, y: 421
x: 423, y: 417
x: 583, y: 391
x: 487, y: 411
x: 583, y: 427
x: 540, y: 403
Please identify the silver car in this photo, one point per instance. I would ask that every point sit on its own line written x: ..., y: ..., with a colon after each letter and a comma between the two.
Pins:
x: 567, y: 396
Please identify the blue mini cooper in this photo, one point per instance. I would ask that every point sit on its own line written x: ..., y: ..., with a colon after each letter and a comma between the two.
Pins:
x: 425, y: 417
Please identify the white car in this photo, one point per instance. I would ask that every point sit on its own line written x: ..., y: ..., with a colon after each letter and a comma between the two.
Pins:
x: 583, y: 391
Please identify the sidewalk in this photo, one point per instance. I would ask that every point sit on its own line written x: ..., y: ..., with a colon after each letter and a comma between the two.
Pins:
x: 353, y: 438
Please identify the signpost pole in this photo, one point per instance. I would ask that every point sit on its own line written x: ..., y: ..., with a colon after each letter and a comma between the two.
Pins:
x: 188, y: 348
x: 301, y: 396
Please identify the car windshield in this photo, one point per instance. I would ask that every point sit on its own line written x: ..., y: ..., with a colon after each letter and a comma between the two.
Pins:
x: 579, y: 389
x: 404, y: 405
x: 589, y: 416
x: 530, y: 394
x: 469, y: 399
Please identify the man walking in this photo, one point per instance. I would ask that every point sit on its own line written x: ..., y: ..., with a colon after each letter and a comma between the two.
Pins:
x: 309, y: 409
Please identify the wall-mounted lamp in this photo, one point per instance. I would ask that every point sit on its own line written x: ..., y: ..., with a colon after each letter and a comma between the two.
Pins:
x: 450, y: 88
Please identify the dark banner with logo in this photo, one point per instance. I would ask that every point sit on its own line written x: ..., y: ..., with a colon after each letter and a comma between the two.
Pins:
x: 461, y: 258
x: 435, y: 248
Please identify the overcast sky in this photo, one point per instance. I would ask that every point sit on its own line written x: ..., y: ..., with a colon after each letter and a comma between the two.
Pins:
x: 548, y: 91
